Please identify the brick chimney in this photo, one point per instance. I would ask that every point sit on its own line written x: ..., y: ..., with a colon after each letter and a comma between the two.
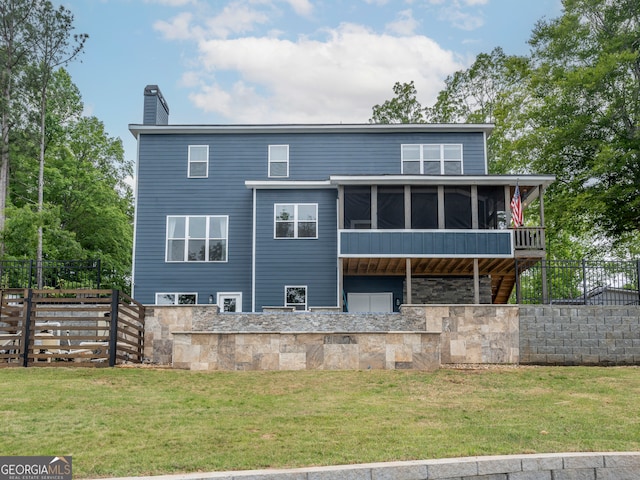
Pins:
x: 156, y: 110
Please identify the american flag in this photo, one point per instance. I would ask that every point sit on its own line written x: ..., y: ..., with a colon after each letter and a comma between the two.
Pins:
x: 516, y: 209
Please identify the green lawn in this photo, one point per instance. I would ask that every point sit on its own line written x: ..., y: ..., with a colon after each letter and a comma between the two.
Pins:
x: 143, y: 421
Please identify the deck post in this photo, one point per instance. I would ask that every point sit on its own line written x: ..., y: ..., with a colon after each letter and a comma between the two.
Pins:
x: 476, y: 282
x: 408, y: 280
x: 518, y: 286
x: 113, y: 327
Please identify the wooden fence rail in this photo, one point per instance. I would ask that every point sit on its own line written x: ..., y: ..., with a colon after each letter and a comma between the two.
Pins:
x: 69, y: 327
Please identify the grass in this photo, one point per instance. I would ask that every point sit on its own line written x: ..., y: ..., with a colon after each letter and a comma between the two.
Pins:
x: 141, y: 421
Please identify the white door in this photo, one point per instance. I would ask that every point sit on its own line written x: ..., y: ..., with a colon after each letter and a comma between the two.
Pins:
x: 370, y: 302
x: 230, y: 301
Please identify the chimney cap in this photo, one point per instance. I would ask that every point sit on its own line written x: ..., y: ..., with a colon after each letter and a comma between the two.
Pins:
x: 154, y: 90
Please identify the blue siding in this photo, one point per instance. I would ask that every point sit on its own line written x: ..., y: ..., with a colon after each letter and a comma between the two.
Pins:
x: 288, y: 261
x: 163, y: 189
x: 427, y: 243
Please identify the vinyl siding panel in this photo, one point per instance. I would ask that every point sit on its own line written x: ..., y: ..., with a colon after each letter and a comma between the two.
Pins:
x: 483, y: 243
x: 289, y: 261
x: 163, y: 189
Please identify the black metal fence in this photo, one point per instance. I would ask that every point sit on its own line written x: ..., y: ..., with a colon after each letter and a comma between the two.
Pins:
x: 61, y: 274
x: 578, y: 282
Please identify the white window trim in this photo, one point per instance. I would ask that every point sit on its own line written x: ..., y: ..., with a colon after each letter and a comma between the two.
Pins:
x: 222, y: 295
x: 422, y: 160
x: 186, y: 239
x: 295, y: 221
x: 189, y: 162
x: 278, y: 161
x: 306, y: 296
x: 195, y: 294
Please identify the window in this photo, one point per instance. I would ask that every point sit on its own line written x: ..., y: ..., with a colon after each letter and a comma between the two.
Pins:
x: 279, y: 161
x: 230, y: 301
x: 176, y: 298
x: 197, y: 238
x: 295, y: 297
x: 296, y: 220
x: 432, y: 159
x: 198, y: 161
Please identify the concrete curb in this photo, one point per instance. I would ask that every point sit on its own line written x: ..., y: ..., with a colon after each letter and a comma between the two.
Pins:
x: 587, y: 466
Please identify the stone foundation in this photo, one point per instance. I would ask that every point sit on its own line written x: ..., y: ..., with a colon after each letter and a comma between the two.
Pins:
x: 447, y: 290
x: 306, y: 351
x: 200, y: 337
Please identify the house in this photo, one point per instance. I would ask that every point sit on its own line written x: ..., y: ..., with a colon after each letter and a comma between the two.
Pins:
x: 604, y: 295
x: 353, y: 217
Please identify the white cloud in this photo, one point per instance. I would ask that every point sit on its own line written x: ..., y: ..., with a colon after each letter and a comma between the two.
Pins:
x: 178, y: 28
x: 301, y: 7
x: 235, y: 18
x: 464, y: 20
x: 173, y: 3
x: 337, y: 79
x: 462, y: 14
x: 405, y: 24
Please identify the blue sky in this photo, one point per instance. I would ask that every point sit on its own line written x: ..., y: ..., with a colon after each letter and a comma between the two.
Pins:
x: 282, y: 61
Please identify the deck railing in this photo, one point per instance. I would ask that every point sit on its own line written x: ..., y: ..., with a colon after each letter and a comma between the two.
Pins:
x: 528, y: 238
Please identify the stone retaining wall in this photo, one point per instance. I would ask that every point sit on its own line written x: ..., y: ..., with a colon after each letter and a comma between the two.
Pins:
x: 468, y: 334
x: 580, y: 335
x: 489, y: 334
x: 583, y: 466
x: 306, y: 351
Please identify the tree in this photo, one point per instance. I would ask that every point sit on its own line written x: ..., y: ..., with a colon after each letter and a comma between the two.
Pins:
x: 403, y: 108
x: 585, y: 115
x: 87, y: 213
x: 53, y: 47
x: 492, y: 90
x: 15, y: 41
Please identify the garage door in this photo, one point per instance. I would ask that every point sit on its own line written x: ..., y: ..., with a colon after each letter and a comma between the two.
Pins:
x: 370, y: 302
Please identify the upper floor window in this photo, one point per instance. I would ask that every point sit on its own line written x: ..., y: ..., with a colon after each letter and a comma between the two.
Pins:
x: 432, y: 159
x: 198, y: 161
x: 176, y: 298
x: 279, y: 161
x: 296, y: 220
x: 197, y: 238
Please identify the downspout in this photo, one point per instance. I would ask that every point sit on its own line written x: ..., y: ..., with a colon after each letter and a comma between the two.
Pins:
x: 135, y: 219
x: 339, y: 263
x: 253, y: 255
